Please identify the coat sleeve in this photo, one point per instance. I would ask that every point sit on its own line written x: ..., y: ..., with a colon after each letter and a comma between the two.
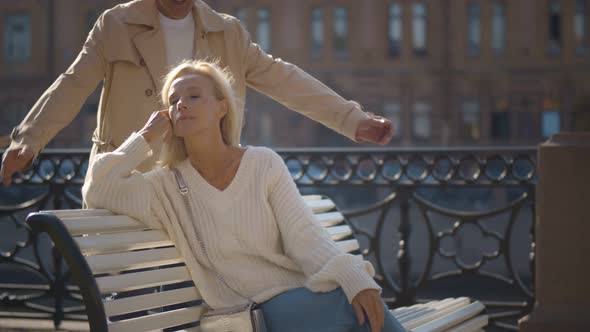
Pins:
x: 309, y: 244
x: 296, y: 89
x: 62, y: 101
x: 113, y: 184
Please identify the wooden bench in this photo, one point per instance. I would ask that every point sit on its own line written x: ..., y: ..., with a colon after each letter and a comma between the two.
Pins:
x: 133, y: 278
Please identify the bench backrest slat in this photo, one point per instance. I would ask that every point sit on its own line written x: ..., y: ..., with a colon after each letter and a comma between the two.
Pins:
x: 105, y: 243
x: 143, y: 279
x: 132, y: 260
x: 158, y: 321
x: 152, y: 300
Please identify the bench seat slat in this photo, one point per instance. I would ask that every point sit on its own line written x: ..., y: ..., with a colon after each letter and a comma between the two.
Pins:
x: 158, y: 321
x: 143, y: 279
x: 339, y: 232
x: 413, y: 321
x: 308, y: 198
x: 102, y: 224
x: 400, y: 312
x: 124, y: 261
x: 150, y: 301
x: 319, y: 206
x: 410, y: 315
x: 328, y: 219
x: 96, y: 244
x: 445, y: 322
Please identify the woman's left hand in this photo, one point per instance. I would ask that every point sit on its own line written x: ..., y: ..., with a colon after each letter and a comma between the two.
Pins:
x: 369, y: 300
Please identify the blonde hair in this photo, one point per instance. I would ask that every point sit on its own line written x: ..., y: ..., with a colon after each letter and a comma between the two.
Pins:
x: 173, y: 150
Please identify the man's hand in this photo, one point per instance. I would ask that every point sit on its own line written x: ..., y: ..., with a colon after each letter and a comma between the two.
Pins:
x: 376, y: 129
x: 369, y: 301
x: 16, y: 160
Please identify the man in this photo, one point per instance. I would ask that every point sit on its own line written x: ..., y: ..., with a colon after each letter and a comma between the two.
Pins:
x: 130, y: 47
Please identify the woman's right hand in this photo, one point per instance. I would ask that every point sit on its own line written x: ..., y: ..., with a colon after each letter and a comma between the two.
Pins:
x: 158, y: 126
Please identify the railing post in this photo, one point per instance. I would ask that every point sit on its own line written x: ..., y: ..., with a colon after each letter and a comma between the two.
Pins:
x: 562, y: 267
x: 406, y: 296
x: 57, y: 288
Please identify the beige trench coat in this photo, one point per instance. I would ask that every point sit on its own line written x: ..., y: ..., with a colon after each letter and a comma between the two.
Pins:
x: 126, y: 50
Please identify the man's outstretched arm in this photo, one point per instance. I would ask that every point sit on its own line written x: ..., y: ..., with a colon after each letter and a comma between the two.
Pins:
x: 57, y: 107
x: 302, y: 93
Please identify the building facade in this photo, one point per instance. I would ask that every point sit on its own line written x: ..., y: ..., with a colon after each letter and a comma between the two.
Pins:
x: 447, y: 72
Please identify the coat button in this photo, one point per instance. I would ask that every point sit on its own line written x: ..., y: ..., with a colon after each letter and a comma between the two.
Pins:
x: 149, y: 92
x: 142, y: 62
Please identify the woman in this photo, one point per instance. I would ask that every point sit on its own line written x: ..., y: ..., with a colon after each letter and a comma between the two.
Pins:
x: 255, y: 226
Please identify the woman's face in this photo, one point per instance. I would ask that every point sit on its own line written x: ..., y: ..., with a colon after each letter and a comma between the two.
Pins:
x: 194, y: 108
x: 175, y: 9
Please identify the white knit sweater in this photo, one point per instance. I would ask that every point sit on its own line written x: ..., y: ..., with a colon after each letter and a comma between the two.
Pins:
x: 258, y: 231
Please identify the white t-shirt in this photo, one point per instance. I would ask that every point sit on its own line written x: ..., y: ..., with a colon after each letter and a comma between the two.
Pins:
x: 179, y: 37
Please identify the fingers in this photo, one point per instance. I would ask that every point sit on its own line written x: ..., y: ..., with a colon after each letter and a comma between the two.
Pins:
x: 369, y: 302
x: 164, y: 113
x: 358, y: 310
x: 376, y: 315
x: 15, y: 161
x: 373, y: 320
x: 380, y: 311
x: 388, y: 132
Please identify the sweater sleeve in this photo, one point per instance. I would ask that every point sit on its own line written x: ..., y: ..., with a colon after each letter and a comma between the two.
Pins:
x: 308, y: 242
x: 113, y: 183
x: 62, y: 101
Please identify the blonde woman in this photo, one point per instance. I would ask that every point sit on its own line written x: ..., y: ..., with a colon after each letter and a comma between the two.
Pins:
x: 256, y: 230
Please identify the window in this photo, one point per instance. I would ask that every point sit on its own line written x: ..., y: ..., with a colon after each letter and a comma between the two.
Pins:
x: 473, y: 29
x: 242, y: 15
x: 395, y: 29
x: 554, y: 46
x: 470, y: 120
x: 263, y: 31
x: 581, y: 27
x: 501, y: 120
x: 317, y: 31
x: 499, y: 28
x: 393, y: 112
x: 419, y: 28
x: 17, y: 38
x: 550, y: 123
x: 341, y: 31
x: 421, y: 120
x: 551, y: 117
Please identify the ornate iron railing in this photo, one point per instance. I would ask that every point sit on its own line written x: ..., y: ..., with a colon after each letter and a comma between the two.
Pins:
x: 412, y: 209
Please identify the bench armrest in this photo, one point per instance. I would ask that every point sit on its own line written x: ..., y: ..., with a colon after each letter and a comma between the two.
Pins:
x: 81, y: 273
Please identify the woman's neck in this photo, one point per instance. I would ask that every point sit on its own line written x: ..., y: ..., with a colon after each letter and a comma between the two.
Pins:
x: 209, y: 154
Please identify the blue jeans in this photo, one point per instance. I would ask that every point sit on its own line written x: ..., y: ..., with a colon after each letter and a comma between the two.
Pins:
x: 302, y: 310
